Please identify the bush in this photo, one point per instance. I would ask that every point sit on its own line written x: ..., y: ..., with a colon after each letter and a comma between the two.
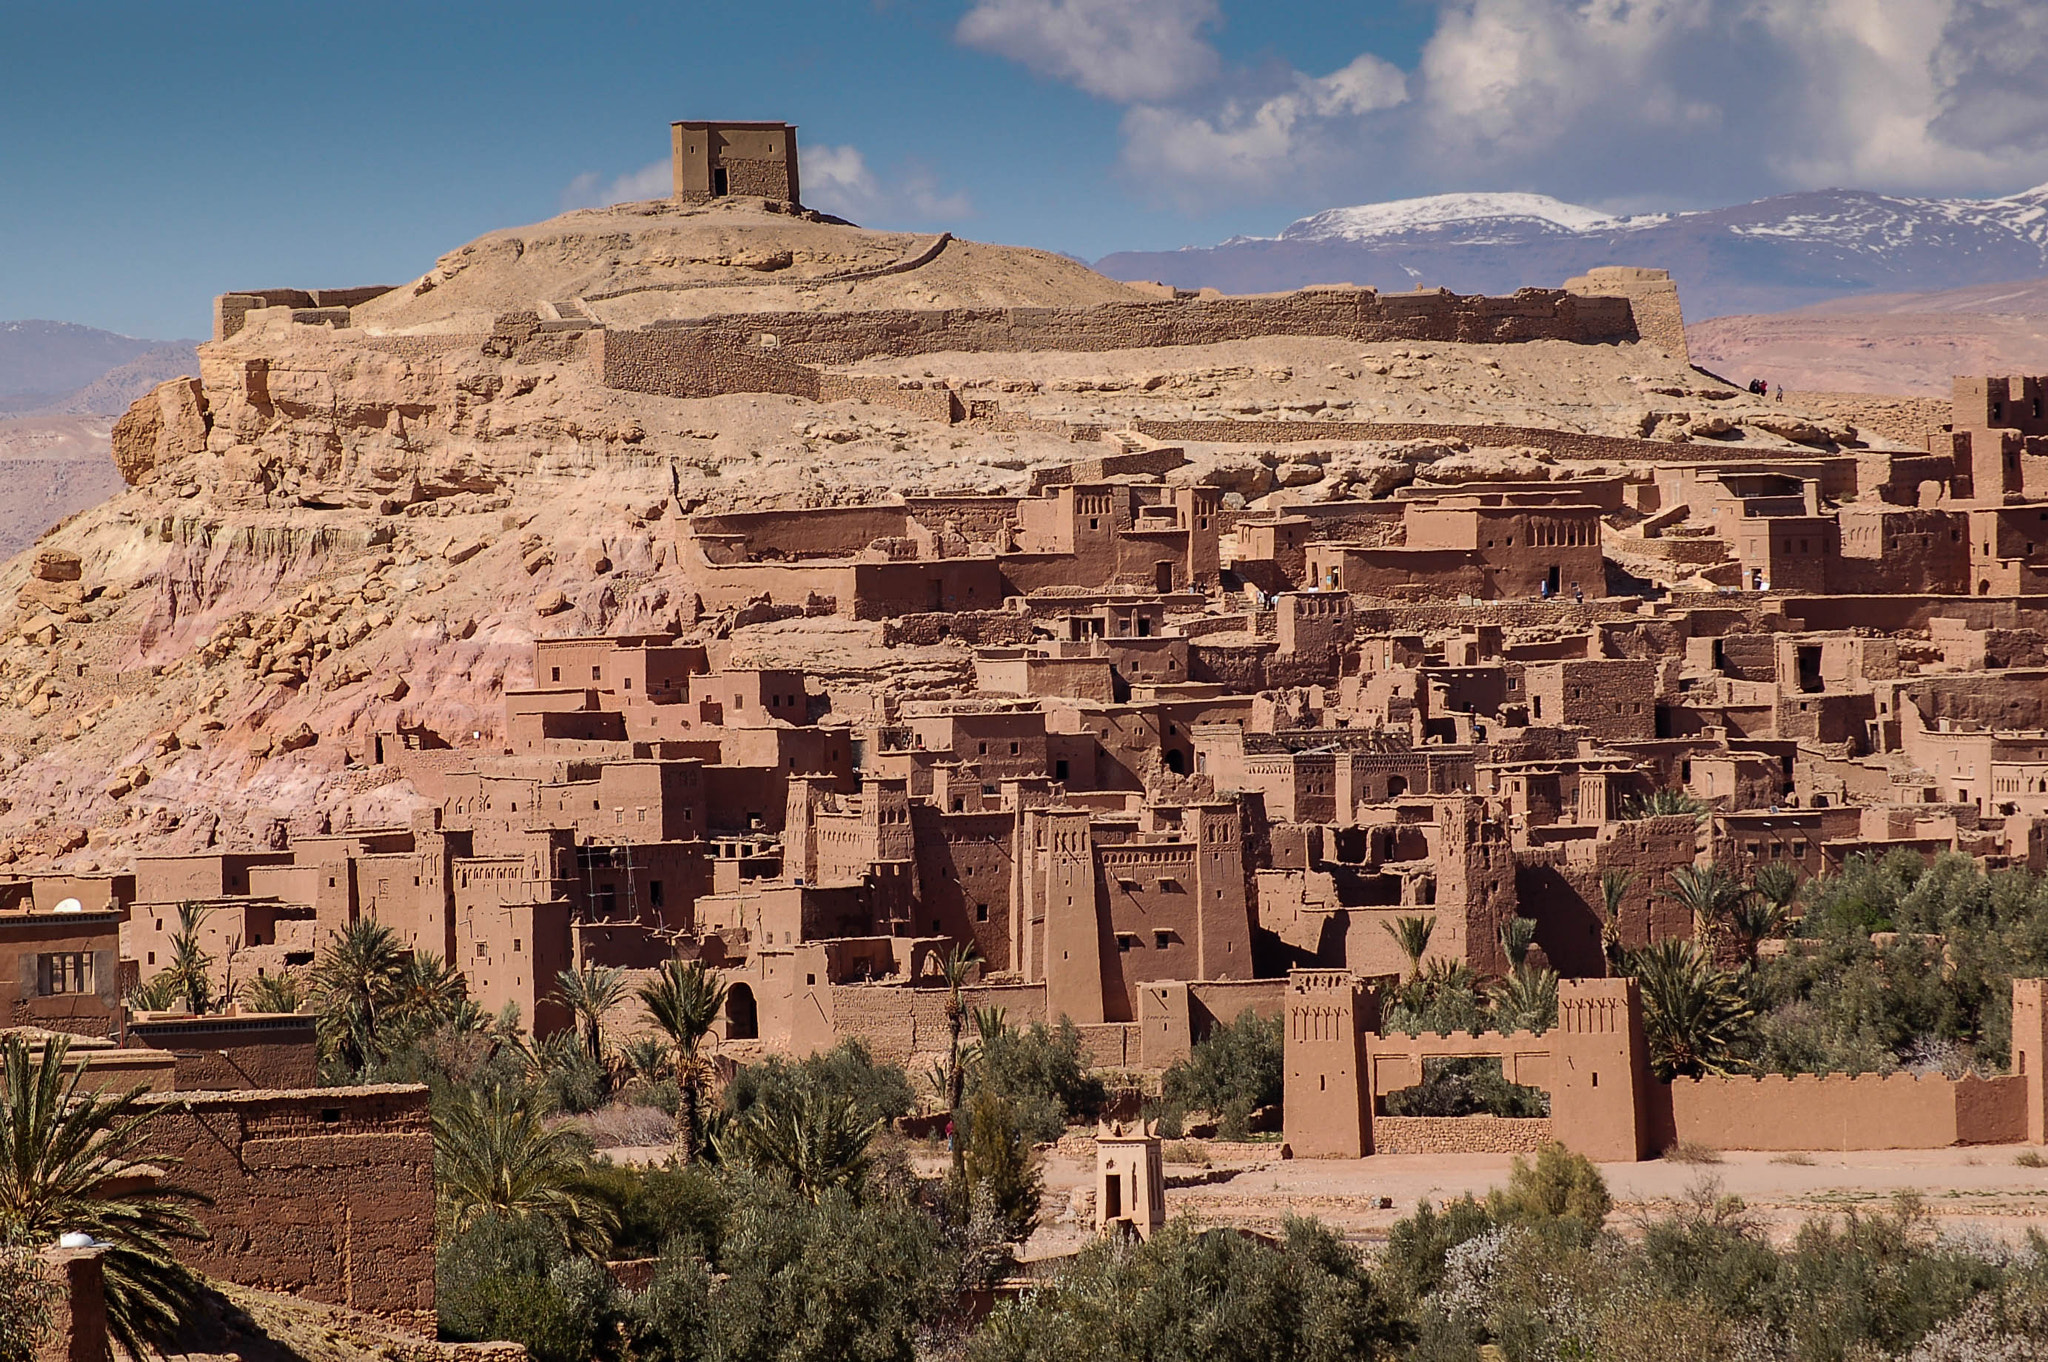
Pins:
x: 878, y: 1092
x: 1525, y: 1272
x: 25, y: 1299
x: 1467, y: 1087
x: 512, y: 1279
x: 841, y: 1278
x: 1217, y: 1296
x: 1041, y: 1074
x: 997, y: 1162
x: 1559, y: 1185
x: 656, y: 1206
x: 1235, y: 1070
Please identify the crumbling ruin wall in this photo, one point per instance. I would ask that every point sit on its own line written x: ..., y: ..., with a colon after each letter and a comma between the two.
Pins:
x: 1565, y: 444
x: 976, y: 628
x: 774, y: 351
x: 322, y: 1193
x: 684, y: 362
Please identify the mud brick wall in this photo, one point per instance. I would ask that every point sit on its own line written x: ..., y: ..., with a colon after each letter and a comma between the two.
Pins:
x: 1837, y: 1111
x: 1355, y: 314
x: 687, y: 361
x: 321, y: 1193
x: 219, y: 1054
x: 897, y: 1024
x: 979, y: 628
x: 1565, y: 444
x: 934, y: 403
x: 772, y: 351
x: 1905, y: 420
x: 1459, y: 1134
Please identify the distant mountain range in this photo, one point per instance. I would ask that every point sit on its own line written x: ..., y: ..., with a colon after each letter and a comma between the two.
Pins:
x: 61, y: 386
x: 1906, y: 343
x: 63, y: 369
x: 1791, y: 251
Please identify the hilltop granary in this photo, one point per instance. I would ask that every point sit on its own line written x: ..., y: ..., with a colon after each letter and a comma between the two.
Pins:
x: 712, y: 160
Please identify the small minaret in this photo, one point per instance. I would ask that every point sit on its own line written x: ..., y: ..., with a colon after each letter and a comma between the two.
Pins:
x: 1130, y: 1178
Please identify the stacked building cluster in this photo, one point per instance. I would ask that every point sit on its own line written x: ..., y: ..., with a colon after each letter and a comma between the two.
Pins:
x: 1203, y: 745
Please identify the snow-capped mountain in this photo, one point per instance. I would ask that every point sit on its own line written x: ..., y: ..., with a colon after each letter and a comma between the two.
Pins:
x: 1776, y: 253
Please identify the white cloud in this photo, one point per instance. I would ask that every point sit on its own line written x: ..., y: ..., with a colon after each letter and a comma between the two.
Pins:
x: 1125, y: 50
x: 1256, y: 144
x: 837, y: 180
x: 591, y: 190
x: 1787, y: 94
x: 1672, y: 101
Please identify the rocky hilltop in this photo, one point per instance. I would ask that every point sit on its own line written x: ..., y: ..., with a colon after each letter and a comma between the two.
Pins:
x: 361, y: 513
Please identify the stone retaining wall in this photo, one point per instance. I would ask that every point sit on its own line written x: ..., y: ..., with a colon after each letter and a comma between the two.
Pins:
x: 1459, y: 1134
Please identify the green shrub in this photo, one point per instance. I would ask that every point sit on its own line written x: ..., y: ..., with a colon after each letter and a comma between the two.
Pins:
x: 879, y: 1092
x: 1467, y: 1087
x: 657, y: 1205
x: 1559, y: 1185
x: 25, y: 1299
x: 509, y: 1279
x: 997, y: 1162
x: 1233, y: 1071
x: 1217, y: 1296
x: 841, y: 1278
x: 1041, y: 1074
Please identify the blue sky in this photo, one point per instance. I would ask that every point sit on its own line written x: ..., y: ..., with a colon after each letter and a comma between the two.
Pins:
x: 154, y: 154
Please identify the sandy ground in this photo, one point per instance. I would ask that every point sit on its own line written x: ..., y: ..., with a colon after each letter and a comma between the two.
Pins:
x: 1977, y: 1190
x: 1980, y: 1191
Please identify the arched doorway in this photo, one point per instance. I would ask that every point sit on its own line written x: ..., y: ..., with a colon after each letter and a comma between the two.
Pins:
x: 742, y: 1019
x: 1396, y: 786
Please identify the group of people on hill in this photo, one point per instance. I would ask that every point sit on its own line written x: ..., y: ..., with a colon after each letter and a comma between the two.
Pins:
x: 1762, y: 389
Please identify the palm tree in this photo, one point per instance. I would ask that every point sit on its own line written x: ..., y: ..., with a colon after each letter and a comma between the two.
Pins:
x: 190, y: 961
x: 813, y: 1138
x: 1693, y: 1014
x: 494, y: 1154
x: 646, y: 1059
x: 279, y: 992
x: 1709, y: 893
x: 684, y: 1002
x: 1663, y: 804
x: 1777, y: 883
x: 1754, y: 920
x: 1526, y: 1001
x: 960, y: 961
x: 590, y: 994
x: 1412, y: 935
x: 1614, y: 887
x: 154, y: 994
x: 352, y: 987
x: 67, y: 1164
x: 1517, y: 935
x: 422, y: 993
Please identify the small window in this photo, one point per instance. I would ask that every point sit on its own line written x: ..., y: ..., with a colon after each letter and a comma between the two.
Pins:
x: 557, y: 674
x: 597, y: 673
x: 64, y: 973
x: 981, y: 912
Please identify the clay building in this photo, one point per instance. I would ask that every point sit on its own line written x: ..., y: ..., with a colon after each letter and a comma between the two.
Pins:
x: 712, y: 160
